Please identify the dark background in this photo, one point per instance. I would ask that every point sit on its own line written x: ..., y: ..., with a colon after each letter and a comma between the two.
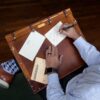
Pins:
x: 16, y: 14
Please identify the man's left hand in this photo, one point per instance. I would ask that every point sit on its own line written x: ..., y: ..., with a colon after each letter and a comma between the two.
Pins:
x: 53, y: 60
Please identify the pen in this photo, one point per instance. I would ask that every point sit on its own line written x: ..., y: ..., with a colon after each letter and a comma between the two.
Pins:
x: 70, y: 26
x: 65, y: 28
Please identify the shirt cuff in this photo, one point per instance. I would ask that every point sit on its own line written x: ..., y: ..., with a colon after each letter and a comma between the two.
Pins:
x: 80, y: 43
x: 53, y: 78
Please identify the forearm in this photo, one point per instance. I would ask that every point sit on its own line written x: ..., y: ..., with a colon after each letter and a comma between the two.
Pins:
x: 54, y: 90
x: 87, y: 51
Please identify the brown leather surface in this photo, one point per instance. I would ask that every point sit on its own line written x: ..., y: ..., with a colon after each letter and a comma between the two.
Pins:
x: 5, y: 76
x: 71, y: 59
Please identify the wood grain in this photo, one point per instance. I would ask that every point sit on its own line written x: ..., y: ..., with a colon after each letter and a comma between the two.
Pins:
x: 16, y: 14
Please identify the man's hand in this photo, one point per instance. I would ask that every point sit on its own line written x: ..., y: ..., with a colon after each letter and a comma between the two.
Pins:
x: 72, y: 32
x: 52, y: 58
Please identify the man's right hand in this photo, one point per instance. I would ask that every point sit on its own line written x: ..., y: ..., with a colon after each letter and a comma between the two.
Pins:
x: 71, y: 32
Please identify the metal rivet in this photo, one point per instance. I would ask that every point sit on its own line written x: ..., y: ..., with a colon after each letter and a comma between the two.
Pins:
x: 14, y: 35
x: 65, y: 13
x: 32, y: 28
x: 49, y: 20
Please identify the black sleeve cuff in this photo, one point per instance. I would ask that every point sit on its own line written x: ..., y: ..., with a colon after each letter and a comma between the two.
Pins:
x: 51, y: 70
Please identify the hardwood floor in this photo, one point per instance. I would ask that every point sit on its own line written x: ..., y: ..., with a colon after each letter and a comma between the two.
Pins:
x: 16, y: 14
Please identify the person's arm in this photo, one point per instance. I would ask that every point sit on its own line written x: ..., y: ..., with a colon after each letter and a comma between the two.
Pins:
x: 54, y: 89
x: 88, y: 52
x: 55, y: 92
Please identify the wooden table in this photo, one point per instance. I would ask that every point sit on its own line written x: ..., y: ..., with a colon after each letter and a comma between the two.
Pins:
x: 71, y: 60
